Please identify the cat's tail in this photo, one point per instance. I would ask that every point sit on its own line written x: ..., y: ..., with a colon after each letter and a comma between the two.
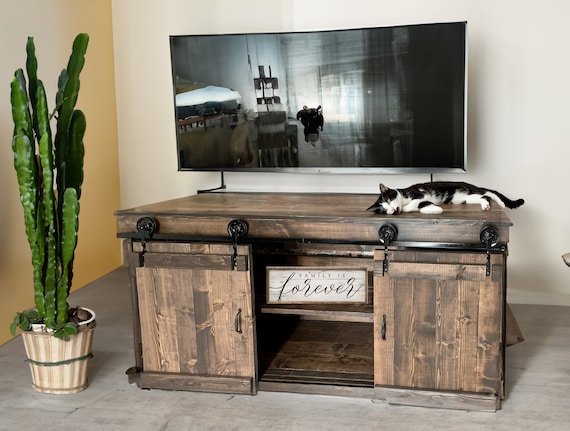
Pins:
x: 504, y: 201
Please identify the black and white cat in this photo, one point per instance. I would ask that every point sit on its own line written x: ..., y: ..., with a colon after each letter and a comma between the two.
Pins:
x: 427, y: 197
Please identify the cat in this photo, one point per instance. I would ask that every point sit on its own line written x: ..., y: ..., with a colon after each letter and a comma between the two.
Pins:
x: 312, y: 119
x: 427, y: 197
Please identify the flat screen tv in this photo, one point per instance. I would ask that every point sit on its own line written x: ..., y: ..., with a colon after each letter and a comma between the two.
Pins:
x: 367, y: 100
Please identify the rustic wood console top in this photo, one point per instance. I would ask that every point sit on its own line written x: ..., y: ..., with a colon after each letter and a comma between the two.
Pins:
x: 431, y: 332
x: 293, y: 215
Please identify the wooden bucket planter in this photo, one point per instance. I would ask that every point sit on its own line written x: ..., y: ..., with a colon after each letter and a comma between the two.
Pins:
x: 57, y: 366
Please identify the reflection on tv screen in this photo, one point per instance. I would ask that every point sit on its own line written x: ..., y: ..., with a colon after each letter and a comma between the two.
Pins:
x: 372, y: 99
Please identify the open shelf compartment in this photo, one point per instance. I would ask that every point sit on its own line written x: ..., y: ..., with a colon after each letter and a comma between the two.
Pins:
x: 296, y: 350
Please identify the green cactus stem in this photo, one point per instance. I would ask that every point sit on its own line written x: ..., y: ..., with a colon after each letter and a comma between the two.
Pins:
x: 50, y: 175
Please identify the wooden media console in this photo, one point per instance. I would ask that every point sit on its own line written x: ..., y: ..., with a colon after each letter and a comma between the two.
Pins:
x: 430, y: 331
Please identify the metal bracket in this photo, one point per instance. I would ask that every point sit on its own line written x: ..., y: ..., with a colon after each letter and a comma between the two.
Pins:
x: 386, y: 234
x: 490, y: 237
x: 237, y: 229
x: 146, y: 227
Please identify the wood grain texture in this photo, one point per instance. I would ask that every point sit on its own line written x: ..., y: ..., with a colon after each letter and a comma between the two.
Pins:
x: 431, y: 331
x: 188, y: 315
x: 198, y: 383
x: 311, y: 351
x: 435, y: 399
x: 443, y: 332
x: 330, y: 217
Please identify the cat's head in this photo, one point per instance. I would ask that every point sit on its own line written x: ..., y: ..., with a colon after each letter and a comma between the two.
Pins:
x: 388, y: 202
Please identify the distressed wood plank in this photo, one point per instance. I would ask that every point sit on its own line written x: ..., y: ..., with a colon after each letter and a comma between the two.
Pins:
x: 439, y: 322
x: 222, y: 311
x: 160, y: 326
x: 425, y: 354
x: 468, y: 312
x: 490, y: 336
x: 403, y: 338
x: 244, y: 355
x: 199, y: 383
x: 437, y: 271
x: 196, y: 261
x: 304, y: 387
x: 188, y: 314
x: 147, y: 309
x: 447, y: 332
x: 186, y: 320
x: 383, y: 317
x: 324, y: 216
x: 342, y: 313
x: 205, y: 345
x: 304, y: 376
x: 434, y: 399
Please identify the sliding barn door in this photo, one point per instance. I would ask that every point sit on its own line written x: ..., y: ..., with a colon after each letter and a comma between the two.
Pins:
x: 196, y: 317
x: 438, y: 321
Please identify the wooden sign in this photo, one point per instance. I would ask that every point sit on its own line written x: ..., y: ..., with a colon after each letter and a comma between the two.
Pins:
x: 302, y: 284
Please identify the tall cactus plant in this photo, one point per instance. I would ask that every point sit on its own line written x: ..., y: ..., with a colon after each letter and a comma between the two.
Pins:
x: 50, y: 175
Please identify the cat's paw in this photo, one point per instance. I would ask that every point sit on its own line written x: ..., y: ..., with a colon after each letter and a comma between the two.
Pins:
x: 485, y: 205
x: 431, y: 209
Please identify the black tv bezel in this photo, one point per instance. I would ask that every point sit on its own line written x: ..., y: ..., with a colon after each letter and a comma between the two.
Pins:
x: 334, y: 170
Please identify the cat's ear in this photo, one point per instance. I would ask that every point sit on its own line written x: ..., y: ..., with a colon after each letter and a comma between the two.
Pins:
x: 377, y: 207
x: 383, y: 188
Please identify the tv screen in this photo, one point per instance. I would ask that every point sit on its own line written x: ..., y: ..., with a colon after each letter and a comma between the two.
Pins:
x: 368, y: 100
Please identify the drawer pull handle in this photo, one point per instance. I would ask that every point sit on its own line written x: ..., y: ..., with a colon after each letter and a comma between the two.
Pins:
x: 237, y: 323
x: 383, y: 328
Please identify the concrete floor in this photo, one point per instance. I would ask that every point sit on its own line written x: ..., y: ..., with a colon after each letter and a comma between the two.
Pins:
x: 538, y: 387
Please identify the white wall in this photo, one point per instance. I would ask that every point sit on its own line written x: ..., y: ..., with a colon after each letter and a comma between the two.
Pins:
x: 518, y: 138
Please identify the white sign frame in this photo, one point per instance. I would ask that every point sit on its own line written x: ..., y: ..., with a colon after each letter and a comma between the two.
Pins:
x: 321, y: 285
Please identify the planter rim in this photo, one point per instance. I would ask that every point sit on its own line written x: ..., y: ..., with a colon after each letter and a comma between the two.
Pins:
x: 81, y: 326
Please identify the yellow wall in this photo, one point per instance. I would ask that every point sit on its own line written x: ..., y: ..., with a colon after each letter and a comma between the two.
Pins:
x: 54, y: 24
